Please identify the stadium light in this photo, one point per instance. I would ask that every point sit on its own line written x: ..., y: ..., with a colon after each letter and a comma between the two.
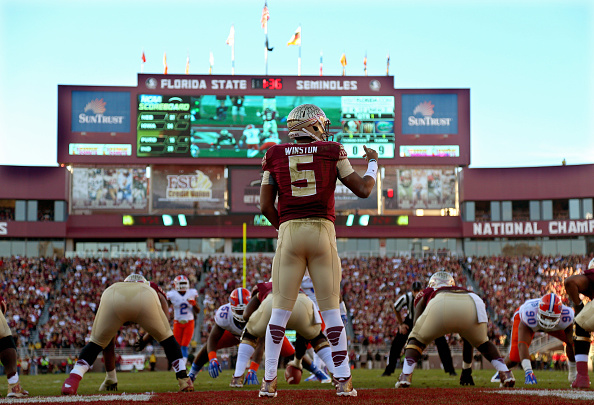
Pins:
x: 364, y: 220
x: 167, y: 220
x: 350, y: 220
x: 182, y: 220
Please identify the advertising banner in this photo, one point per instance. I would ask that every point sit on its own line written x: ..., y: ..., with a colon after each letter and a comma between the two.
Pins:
x: 244, y: 189
x: 100, y: 111
x: 188, y: 187
x: 429, y: 113
x: 433, y: 188
x: 130, y: 362
x: 109, y: 188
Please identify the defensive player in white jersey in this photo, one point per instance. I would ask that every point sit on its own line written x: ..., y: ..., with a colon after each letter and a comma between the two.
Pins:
x: 183, y: 299
x: 229, y: 324
x: 548, y: 315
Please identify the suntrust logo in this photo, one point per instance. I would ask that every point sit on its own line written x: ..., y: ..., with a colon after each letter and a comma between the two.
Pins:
x: 97, y: 106
x: 426, y: 110
x: 100, y: 111
x: 430, y: 113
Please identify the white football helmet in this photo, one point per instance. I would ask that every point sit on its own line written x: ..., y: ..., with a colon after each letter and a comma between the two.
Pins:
x: 591, y: 265
x: 181, y: 283
x: 308, y: 120
x: 136, y: 278
x: 441, y: 279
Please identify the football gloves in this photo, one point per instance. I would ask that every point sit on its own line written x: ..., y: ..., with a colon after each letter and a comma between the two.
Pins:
x: 466, y: 377
x: 140, y: 343
x: 214, y: 368
x: 251, y: 378
x: 530, y: 378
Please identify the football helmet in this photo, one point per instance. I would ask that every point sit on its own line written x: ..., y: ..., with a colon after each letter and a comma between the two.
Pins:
x: 239, y: 299
x: 308, y: 120
x: 181, y: 283
x: 136, y: 278
x: 549, y: 311
x: 591, y: 265
x: 441, y: 279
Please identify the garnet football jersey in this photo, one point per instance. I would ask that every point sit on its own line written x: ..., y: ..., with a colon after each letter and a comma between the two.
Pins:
x: 305, y: 175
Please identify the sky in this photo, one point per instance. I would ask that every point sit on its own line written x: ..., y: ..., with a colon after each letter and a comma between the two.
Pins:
x: 529, y: 64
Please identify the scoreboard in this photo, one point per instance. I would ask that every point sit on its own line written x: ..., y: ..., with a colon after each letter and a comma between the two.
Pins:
x: 231, y: 119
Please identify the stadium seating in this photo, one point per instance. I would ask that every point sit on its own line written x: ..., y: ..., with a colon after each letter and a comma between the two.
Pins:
x: 73, y: 287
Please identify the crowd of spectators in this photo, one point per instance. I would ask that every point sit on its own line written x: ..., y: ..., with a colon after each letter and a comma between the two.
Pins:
x: 26, y: 284
x: 370, y: 287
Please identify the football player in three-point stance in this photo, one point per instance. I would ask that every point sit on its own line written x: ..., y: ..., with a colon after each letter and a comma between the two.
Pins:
x: 183, y: 299
x: 548, y: 315
x: 229, y: 324
x: 303, y: 176
x: 584, y: 321
x: 305, y: 320
x: 8, y: 356
x: 444, y: 308
x: 134, y: 300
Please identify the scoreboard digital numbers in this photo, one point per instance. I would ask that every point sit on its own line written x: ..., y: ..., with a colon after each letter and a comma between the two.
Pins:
x: 163, y: 125
x: 268, y: 83
x: 368, y: 121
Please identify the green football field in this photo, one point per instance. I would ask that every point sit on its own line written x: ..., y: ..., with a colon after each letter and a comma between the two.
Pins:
x: 163, y: 381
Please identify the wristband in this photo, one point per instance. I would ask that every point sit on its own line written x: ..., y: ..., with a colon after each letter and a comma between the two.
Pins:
x: 371, y: 169
x: 212, y: 355
x: 254, y: 366
x: 526, y: 365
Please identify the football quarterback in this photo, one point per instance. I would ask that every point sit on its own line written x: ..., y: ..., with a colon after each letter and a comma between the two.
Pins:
x: 183, y: 299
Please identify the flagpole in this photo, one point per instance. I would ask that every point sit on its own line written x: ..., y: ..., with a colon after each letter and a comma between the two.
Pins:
x: 233, y: 57
x: 299, y: 59
x: 321, y: 62
x: 266, y: 49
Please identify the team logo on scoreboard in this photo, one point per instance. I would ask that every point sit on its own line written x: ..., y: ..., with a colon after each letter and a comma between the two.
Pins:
x: 430, y: 113
x: 151, y: 83
x: 100, y: 111
x: 375, y: 85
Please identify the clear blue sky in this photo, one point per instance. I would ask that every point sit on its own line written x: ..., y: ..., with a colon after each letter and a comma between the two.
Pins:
x: 529, y: 64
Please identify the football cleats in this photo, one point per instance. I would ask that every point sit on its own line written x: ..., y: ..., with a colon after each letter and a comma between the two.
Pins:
x: 549, y: 311
x: 239, y: 299
x: 181, y: 283
x: 308, y: 120
x: 136, y: 278
x: 441, y: 279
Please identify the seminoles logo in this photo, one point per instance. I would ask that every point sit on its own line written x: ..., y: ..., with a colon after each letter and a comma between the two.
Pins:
x: 425, y: 109
x: 97, y: 106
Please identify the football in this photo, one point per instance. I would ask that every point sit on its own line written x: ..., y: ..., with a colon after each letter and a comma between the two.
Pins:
x: 293, y: 374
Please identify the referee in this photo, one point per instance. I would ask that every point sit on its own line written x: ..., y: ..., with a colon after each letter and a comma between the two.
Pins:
x: 405, y: 326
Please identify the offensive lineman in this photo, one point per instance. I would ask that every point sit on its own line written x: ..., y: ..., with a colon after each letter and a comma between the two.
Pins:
x: 305, y: 320
x: 548, y: 315
x: 183, y: 299
x: 304, y: 175
x: 444, y: 308
x: 584, y: 321
x: 8, y: 356
x: 133, y: 300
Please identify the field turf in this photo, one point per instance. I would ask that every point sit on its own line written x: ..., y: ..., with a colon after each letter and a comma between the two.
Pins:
x: 429, y: 387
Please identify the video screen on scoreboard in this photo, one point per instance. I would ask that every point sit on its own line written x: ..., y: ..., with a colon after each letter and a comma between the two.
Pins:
x: 246, y: 126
